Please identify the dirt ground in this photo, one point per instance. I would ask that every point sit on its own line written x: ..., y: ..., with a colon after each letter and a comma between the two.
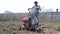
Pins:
x: 13, y: 29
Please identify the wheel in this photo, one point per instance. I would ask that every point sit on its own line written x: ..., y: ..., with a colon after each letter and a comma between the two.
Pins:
x: 39, y: 30
x: 21, y: 28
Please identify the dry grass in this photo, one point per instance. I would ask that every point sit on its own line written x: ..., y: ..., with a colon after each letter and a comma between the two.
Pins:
x: 12, y: 27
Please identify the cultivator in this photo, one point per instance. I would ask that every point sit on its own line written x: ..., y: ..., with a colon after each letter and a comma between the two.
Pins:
x: 27, y: 24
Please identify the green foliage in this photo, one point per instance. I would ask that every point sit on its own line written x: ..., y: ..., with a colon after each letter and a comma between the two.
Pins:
x: 6, y: 20
x: 51, y: 23
x: 5, y: 32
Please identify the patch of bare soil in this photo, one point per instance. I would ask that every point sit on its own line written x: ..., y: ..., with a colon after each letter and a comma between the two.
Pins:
x: 14, y: 29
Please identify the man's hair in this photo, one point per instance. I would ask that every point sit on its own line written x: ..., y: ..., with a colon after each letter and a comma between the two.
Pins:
x: 35, y: 2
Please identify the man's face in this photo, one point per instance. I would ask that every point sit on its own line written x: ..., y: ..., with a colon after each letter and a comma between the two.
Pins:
x: 36, y: 4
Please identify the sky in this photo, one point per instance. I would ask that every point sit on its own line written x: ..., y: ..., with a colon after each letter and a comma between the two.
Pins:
x: 21, y: 6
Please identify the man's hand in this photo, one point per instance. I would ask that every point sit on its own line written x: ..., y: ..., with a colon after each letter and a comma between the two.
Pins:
x: 40, y: 9
x: 29, y: 9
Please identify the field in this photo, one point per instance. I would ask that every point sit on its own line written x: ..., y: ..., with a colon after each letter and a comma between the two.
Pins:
x: 11, y: 27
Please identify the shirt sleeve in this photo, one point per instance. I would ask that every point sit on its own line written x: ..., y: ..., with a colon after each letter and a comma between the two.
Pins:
x: 32, y: 7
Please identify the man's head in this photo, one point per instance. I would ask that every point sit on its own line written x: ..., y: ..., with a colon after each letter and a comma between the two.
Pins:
x: 35, y: 3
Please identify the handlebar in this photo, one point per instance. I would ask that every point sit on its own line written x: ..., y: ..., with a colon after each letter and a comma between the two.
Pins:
x: 30, y: 9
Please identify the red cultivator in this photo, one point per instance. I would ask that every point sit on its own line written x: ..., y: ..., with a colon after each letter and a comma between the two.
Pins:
x: 27, y: 25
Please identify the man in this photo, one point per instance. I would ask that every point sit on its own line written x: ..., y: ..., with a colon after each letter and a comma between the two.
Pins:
x: 35, y: 13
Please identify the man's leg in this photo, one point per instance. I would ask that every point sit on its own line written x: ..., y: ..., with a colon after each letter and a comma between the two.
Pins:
x: 37, y: 19
x: 32, y: 19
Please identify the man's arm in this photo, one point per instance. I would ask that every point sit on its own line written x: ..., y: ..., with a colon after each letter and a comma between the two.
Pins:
x: 29, y: 9
x: 39, y: 8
